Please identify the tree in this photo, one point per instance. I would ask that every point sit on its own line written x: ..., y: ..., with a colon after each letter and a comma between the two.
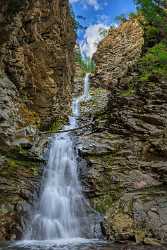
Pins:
x: 154, y: 13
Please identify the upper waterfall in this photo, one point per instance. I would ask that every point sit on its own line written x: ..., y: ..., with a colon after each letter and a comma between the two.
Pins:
x: 76, y: 101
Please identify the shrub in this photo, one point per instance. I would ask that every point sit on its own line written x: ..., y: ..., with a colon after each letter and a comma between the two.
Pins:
x: 154, y: 13
x: 151, y: 36
x: 153, y: 64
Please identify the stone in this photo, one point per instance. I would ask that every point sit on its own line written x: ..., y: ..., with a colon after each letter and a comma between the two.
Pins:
x: 117, y: 53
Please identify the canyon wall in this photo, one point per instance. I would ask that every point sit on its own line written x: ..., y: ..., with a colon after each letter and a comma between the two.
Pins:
x: 37, y: 40
x: 125, y: 148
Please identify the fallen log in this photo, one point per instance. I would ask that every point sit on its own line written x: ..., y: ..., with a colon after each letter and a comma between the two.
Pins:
x: 68, y: 130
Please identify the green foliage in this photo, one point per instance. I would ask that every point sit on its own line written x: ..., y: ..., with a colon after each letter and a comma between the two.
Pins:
x: 154, y: 13
x: 153, y: 65
x: 151, y: 36
x: 57, y: 125
x: 87, y: 65
x: 128, y: 92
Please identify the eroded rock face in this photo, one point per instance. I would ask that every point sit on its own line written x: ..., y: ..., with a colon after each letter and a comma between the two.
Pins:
x: 37, y: 39
x: 117, y: 53
x: 37, y: 54
x: 126, y: 154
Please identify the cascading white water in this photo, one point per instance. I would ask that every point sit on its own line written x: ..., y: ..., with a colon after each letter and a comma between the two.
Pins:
x: 76, y: 102
x: 63, y: 210
x: 86, y: 87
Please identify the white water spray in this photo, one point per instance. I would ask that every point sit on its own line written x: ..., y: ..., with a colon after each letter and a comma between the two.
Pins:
x: 63, y: 211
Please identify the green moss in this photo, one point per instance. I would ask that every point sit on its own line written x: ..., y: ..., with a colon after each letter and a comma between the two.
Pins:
x: 103, y: 203
x: 139, y: 235
x: 130, y: 91
x: 57, y: 125
x: 20, y: 154
x: 126, y: 93
x: 14, y: 165
x: 35, y: 170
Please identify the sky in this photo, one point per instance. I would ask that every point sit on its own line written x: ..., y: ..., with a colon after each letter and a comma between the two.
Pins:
x: 95, y: 16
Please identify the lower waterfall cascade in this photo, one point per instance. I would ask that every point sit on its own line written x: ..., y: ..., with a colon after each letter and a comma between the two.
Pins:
x: 63, y: 211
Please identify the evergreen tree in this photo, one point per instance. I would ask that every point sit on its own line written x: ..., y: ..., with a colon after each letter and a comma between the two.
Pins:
x: 155, y: 14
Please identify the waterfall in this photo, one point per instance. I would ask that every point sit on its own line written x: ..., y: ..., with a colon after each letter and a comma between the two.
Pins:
x: 86, y: 87
x: 63, y: 211
x: 76, y: 101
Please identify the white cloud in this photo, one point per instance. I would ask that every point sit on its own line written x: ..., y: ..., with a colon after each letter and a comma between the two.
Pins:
x: 93, y: 35
x: 93, y: 3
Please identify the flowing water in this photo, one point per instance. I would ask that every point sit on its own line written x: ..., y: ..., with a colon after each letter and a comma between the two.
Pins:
x: 63, y: 219
x: 63, y: 211
x: 63, y: 215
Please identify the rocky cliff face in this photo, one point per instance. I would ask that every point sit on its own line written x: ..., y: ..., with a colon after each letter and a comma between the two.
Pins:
x: 117, y: 53
x: 126, y: 147
x: 38, y: 54
x: 37, y: 39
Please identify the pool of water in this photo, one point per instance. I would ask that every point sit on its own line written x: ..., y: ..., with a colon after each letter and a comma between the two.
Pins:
x: 73, y: 244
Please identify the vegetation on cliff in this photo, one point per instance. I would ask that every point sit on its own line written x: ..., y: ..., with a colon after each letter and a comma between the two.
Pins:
x: 153, y: 64
x: 127, y: 162
x: 87, y: 65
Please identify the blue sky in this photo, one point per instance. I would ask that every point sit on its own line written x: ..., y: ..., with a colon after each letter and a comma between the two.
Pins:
x: 98, y: 14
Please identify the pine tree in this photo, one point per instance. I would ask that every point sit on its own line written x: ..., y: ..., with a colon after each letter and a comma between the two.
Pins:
x: 155, y: 13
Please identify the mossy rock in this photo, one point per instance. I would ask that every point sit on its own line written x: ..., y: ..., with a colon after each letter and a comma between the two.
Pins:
x: 103, y: 203
x: 13, y: 166
x: 123, y: 223
x: 57, y: 125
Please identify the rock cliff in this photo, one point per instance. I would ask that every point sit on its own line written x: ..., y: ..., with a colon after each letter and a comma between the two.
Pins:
x: 37, y: 40
x: 125, y: 148
x: 117, y: 53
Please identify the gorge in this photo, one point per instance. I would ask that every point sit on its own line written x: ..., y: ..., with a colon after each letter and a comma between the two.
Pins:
x: 83, y: 149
